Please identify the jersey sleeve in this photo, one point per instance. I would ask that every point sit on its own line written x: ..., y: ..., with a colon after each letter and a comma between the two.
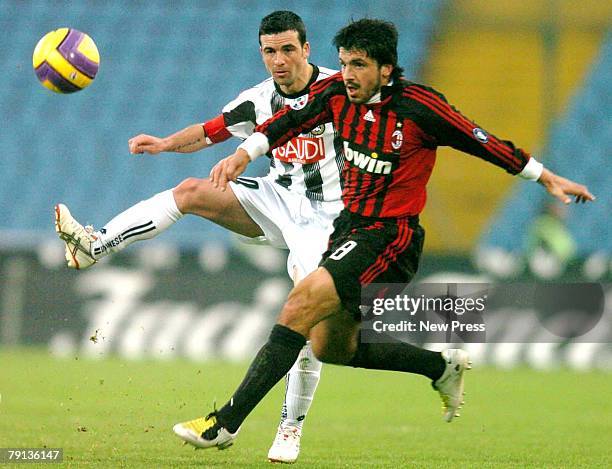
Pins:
x: 237, y: 119
x: 291, y: 122
x: 446, y: 126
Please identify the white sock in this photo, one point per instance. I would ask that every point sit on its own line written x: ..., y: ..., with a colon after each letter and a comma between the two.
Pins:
x: 301, y: 383
x: 144, y: 220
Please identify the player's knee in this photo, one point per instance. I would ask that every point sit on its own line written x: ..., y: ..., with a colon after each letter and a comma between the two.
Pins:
x: 314, y: 296
x: 190, y: 194
x: 309, y: 302
x: 298, y: 311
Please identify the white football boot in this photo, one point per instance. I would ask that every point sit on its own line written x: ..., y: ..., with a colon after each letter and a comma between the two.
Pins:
x: 286, y: 446
x: 78, y: 238
x: 450, y: 384
x: 205, y: 432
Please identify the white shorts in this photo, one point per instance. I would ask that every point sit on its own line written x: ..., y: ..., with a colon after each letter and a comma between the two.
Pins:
x: 289, y: 221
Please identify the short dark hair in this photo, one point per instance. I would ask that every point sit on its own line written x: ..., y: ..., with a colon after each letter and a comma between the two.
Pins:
x: 281, y: 21
x: 377, y: 38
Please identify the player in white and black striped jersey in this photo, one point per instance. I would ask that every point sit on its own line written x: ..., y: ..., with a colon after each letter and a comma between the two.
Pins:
x: 309, y: 165
x: 293, y: 207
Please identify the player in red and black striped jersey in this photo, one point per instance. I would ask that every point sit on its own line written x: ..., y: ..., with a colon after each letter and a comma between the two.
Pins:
x: 390, y: 144
x: 390, y: 130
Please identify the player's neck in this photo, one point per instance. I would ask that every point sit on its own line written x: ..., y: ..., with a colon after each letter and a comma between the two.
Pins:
x: 376, y: 97
x: 300, y: 83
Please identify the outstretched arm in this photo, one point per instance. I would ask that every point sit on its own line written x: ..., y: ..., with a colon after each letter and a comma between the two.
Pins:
x: 188, y: 140
x: 444, y: 125
x: 237, y: 119
x: 563, y: 188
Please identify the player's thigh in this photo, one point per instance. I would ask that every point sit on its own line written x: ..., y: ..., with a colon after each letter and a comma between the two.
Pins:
x: 308, y: 240
x: 335, y: 339
x: 306, y: 243
x: 198, y: 197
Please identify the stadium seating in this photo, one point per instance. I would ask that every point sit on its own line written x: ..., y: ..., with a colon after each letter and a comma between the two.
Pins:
x: 164, y: 65
x: 580, y: 146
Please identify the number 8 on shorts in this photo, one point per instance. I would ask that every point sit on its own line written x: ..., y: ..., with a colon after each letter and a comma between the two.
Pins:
x: 343, y: 250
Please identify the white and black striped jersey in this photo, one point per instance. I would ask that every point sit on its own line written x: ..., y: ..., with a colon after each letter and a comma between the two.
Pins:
x: 311, y: 163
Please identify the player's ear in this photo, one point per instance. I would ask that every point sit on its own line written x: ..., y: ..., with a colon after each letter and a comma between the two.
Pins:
x: 306, y: 49
x: 385, y: 71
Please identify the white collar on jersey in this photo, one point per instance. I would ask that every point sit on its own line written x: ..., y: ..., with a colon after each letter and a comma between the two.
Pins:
x: 376, y: 98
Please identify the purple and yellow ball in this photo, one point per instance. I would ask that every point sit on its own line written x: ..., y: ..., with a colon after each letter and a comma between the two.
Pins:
x: 66, y: 60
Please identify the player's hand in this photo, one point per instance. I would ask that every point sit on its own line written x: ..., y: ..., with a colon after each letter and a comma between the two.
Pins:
x: 563, y: 188
x: 146, y: 144
x: 228, y: 169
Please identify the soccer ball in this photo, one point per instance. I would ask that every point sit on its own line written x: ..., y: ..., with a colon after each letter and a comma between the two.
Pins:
x: 66, y: 60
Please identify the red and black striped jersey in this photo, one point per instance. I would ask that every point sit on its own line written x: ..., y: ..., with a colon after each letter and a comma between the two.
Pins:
x: 390, y: 146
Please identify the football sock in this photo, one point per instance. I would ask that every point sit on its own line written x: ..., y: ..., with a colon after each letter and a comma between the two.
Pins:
x: 271, y: 363
x: 144, y: 220
x: 301, y: 384
x: 399, y: 356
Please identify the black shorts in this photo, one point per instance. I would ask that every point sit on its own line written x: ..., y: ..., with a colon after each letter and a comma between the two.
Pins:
x: 364, y: 250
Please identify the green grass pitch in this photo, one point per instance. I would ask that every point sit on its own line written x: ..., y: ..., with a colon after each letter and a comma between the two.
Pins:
x: 113, y: 413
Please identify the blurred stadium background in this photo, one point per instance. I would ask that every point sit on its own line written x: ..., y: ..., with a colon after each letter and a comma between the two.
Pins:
x: 537, y: 72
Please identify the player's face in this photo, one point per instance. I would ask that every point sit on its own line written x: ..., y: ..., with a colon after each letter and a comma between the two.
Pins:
x: 286, y: 60
x: 362, y: 75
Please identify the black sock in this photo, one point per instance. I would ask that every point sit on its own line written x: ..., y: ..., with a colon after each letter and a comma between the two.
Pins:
x: 399, y: 356
x: 273, y: 361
